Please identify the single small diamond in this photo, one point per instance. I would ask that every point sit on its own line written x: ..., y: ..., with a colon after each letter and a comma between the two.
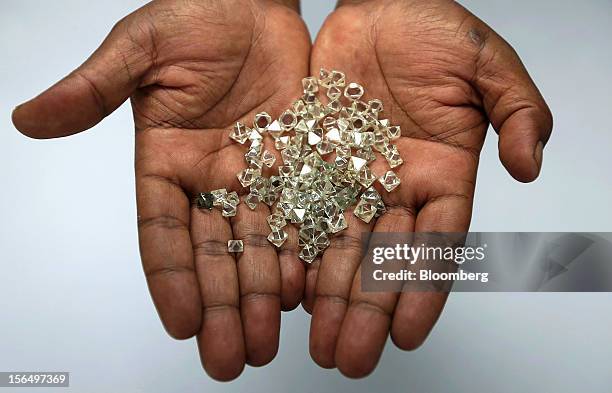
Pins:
x: 251, y: 201
x: 394, y: 132
x: 247, y: 176
x: 228, y: 210
x: 235, y: 246
x: 219, y: 196
x: 366, y: 177
x: 310, y: 85
x: 389, y: 180
x: 268, y: 158
x: 353, y: 91
x: 276, y: 221
x: 205, y: 200
x: 288, y: 120
x: 277, y: 237
x: 365, y: 211
x: 308, y: 253
x: 375, y: 106
x: 233, y: 198
x: 275, y: 129
x: 337, y: 78
x: 338, y: 223
x: 334, y: 93
x: 262, y: 121
x: 240, y: 133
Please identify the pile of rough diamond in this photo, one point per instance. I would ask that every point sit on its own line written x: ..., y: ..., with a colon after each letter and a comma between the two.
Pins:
x: 326, y: 147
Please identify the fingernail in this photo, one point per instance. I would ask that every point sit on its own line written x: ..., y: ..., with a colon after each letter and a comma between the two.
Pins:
x: 538, y: 155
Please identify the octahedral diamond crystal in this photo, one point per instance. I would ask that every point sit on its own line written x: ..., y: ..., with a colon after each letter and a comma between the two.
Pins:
x: 389, y: 181
x: 205, y: 200
x: 277, y: 237
x: 365, y: 211
x: 235, y: 246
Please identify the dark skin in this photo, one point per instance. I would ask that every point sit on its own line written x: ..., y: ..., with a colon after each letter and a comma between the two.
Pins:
x: 443, y: 75
x: 193, y: 68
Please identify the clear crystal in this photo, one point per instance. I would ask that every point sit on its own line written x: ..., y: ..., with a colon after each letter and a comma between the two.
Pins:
x: 235, y: 246
x: 262, y: 121
x: 389, y: 181
x: 394, y: 132
x: 228, y: 209
x: 275, y: 129
x: 308, y: 253
x: 365, y: 211
x: 219, y: 196
x: 338, y: 78
x: 338, y: 223
x: 240, y: 133
x: 353, y: 91
x: 288, y: 120
x: 366, y: 177
x: 277, y: 237
x: 247, y: 176
x: 251, y: 201
x: 268, y: 158
x: 310, y: 85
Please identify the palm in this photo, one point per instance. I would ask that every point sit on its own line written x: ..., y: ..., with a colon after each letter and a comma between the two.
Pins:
x: 192, y: 69
x: 421, y: 59
x: 182, y: 148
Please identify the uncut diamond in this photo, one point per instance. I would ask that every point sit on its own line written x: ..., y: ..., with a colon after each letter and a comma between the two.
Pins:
x: 277, y: 237
x: 389, y: 180
x: 333, y: 135
x: 365, y: 211
x: 357, y: 163
x: 297, y: 215
x: 262, y: 121
x: 276, y: 221
x: 235, y: 246
x: 275, y: 129
x: 288, y: 120
x: 233, y: 198
x: 371, y: 196
x: 228, y: 210
x: 310, y: 85
x: 366, y: 177
x: 337, y: 78
x: 246, y: 177
x: 338, y: 223
x: 393, y: 157
x: 282, y: 142
x: 334, y: 93
x: 375, y: 106
x: 205, y: 200
x: 268, y: 158
x: 394, y: 132
x: 219, y: 196
x: 251, y: 201
x: 353, y: 91
x: 325, y: 147
x: 240, y: 133
x: 334, y: 106
x: 315, y: 136
x: 308, y: 253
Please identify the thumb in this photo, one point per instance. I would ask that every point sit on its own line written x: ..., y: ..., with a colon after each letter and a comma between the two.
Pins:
x: 92, y: 91
x: 514, y: 106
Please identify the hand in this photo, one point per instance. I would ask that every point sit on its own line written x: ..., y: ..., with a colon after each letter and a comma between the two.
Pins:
x: 442, y: 75
x: 192, y: 69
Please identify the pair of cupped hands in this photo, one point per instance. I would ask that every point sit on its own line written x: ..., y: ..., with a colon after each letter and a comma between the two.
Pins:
x: 191, y: 69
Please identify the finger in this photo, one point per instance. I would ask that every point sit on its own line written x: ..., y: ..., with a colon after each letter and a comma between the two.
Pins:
x: 417, y: 312
x: 366, y: 325
x: 513, y: 104
x: 293, y: 272
x: 334, y: 279
x: 93, y: 90
x: 221, y: 339
x: 312, y: 272
x: 259, y: 277
x: 166, y: 253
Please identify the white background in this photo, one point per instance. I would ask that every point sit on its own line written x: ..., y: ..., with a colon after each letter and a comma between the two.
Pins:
x: 73, y: 296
